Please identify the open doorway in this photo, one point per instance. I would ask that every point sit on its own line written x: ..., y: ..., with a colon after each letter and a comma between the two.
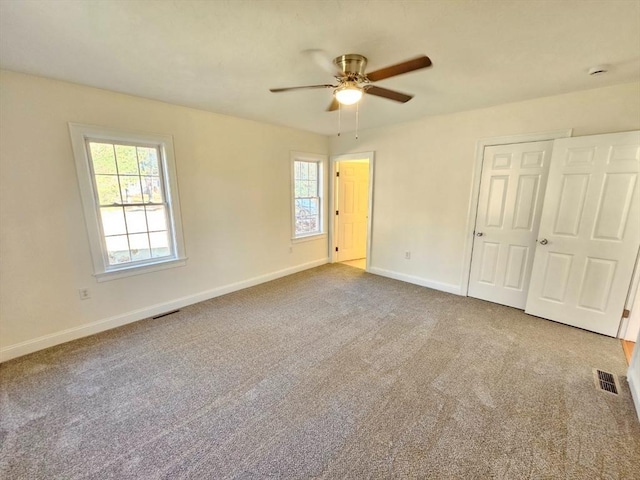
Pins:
x: 352, y: 196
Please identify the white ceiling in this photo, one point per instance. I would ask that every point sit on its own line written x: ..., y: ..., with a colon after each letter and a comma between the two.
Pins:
x: 224, y: 55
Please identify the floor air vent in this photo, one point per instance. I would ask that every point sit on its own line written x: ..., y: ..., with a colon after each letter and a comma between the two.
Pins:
x: 606, y: 381
x: 165, y: 314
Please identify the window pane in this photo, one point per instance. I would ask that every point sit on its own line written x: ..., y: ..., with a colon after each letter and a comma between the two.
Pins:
x: 136, y: 220
x: 113, y: 221
x: 148, y: 161
x: 139, y: 244
x: 307, y: 206
x: 313, y: 172
x: 103, y: 158
x: 127, y: 160
x: 156, y: 217
x: 118, y: 249
x: 159, y: 244
x: 131, y: 189
x: 108, y: 189
x: 152, y: 190
x: 307, y: 213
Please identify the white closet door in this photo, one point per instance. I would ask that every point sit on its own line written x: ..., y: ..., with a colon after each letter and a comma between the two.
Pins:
x: 589, y: 232
x: 512, y: 189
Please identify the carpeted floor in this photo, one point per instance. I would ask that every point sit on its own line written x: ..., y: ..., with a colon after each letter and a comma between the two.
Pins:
x: 330, y: 373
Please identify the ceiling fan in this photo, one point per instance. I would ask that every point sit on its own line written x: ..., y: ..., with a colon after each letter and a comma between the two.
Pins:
x: 353, y: 82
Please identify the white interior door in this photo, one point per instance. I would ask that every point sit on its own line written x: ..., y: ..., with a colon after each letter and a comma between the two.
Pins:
x: 353, y: 208
x: 589, y: 232
x: 509, y: 208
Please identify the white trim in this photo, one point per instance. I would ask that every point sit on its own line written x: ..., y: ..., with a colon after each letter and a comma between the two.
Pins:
x: 633, y: 374
x: 423, y: 282
x: 139, y: 270
x: 635, y: 394
x: 624, y: 331
x: 472, y: 208
x: 333, y: 237
x: 102, y: 270
x: 46, y: 341
x: 309, y: 238
x: 322, y: 192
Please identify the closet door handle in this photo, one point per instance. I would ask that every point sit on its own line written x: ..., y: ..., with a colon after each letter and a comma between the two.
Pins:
x: 479, y: 234
x: 544, y: 241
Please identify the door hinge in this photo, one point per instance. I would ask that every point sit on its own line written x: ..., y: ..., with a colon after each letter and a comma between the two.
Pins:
x: 336, y: 249
x: 626, y: 313
x: 337, y: 174
x: 337, y: 212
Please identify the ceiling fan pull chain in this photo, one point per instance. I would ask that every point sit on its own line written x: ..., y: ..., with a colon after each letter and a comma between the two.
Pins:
x: 339, y: 118
x: 357, y: 118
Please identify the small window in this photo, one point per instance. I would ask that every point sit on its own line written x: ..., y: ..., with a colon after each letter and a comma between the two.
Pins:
x: 307, y: 195
x: 130, y: 199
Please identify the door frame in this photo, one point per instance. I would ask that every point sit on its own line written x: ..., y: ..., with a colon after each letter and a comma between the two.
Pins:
x: 333, y: 192
x: 630, y: 303
x: 472, y: 209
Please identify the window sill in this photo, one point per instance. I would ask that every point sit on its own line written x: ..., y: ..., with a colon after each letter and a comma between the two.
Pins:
x: 309, y: 238
x: 139, y: 270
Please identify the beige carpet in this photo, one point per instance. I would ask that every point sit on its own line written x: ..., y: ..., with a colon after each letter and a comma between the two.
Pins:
x: 330, y: 373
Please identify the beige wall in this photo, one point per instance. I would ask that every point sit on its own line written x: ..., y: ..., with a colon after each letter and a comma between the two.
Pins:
x: 234, y: 179
x: 423, y: 173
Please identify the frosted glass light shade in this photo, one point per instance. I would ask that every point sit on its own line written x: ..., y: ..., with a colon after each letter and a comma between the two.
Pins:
x: 348, y: 94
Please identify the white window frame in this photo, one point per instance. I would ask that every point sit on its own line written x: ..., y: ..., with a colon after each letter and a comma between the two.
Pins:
x: 102, y: 270
x: 321, y: 160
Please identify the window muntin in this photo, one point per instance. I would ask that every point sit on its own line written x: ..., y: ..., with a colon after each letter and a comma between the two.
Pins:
x: 307, y: 185
x: 132, y: 207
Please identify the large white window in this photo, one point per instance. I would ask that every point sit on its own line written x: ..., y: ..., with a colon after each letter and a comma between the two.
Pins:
x: 129, y: 192
x: 307, y: 194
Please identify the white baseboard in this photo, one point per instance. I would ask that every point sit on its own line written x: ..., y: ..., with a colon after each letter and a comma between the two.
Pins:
x: 423, y: 282
x: 635, y: 391
x: 46, y: 341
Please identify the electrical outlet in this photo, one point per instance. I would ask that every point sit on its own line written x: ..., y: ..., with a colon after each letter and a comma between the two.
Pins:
x: 407, y: 255
x: 84, y: 294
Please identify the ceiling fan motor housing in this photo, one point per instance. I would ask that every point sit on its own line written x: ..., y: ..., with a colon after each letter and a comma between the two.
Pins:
x: 351, y: 64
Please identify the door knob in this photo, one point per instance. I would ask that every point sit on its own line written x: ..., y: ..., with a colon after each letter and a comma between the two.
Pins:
x: 479, y: 234
x: 544, y: 241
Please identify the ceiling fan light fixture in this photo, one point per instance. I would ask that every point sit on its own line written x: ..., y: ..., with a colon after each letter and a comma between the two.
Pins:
x: 348, y: 93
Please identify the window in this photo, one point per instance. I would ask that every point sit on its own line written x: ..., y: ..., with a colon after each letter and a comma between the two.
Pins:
x: 307, y: 194
x: 129, y: 194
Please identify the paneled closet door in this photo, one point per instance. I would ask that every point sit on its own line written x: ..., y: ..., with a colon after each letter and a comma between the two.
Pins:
x: 512, y: 189
x: 589, y: 232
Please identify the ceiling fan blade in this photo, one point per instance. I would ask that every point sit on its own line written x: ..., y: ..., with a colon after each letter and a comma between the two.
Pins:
x: 400, y: 68
x: 390, y: 94
x: 306, y: 87
x: 334, y: 105
x: 322, y: 59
